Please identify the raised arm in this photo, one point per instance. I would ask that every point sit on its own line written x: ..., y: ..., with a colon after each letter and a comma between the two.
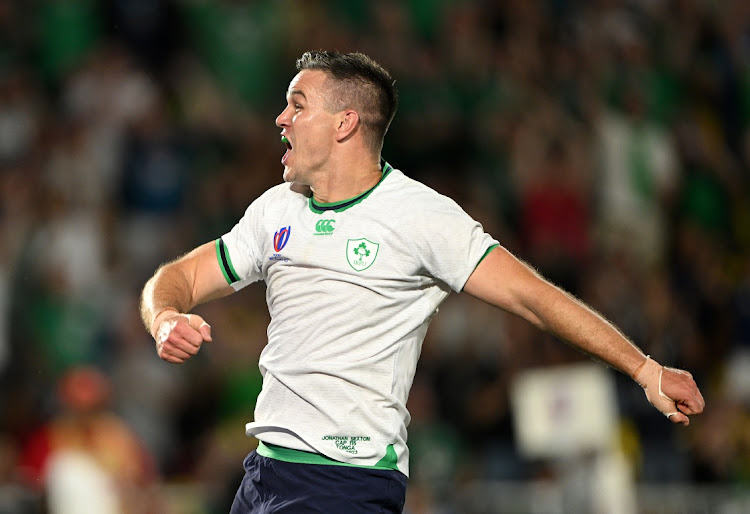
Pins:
x: 174, y: 290
x: 504, y: 281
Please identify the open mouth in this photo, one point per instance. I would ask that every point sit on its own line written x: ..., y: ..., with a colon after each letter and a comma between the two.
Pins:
x: 288, y: 144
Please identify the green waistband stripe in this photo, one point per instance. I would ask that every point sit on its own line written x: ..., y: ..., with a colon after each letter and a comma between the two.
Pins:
x: 272, y: 451
x: 389, y: 460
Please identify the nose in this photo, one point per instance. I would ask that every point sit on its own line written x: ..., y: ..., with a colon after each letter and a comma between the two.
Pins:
x: 282, y: 120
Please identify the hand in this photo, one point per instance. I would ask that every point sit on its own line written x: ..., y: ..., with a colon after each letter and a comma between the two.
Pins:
x: 179, y: 336
x: 672, y: 391
x: 678, y: 386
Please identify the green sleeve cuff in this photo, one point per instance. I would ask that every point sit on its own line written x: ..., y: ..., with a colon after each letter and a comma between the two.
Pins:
x: 225, y: 263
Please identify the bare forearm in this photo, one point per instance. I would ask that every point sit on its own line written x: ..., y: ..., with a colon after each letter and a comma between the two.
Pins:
x: 673, y: 392
x: 506, y: 282
x: 168, y: 289
x: 571, y: 320
x: 179, y: 286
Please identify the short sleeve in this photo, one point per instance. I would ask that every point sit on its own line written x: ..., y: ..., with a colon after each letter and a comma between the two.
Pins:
x: 238, y: 252
x: 450, y: 243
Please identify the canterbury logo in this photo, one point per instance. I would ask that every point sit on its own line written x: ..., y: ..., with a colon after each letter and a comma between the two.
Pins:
x: 324, y: 227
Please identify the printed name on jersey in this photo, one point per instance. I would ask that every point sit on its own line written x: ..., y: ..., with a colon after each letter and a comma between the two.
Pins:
x: 361, y: 253
x: 324, y: 228
x: 347, y: 443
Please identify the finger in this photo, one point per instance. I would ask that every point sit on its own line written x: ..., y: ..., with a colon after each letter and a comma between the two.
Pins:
x: 684, y: 392
x: 694, y: 390
x: 690, y: 400
x: 174, y: 344
x: 205, y: 330
x: 179, y: 334
x: 687, y: 410
x: 195, y: 321
x: 678, y: 418
x: 700, y: 398
x: 177, y: 352
x: 167, y: 355
x: 200, y: 325
x: 698, y: 403
x: 171, y: 358
x: 184, y: 345
x: 185, y: 331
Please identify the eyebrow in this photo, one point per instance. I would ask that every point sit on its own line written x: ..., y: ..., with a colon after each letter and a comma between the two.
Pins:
x: 296, y: 92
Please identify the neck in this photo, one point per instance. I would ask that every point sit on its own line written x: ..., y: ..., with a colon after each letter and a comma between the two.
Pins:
x: 342, y: 183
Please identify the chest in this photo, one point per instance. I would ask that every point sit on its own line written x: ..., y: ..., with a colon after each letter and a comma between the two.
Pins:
x: 361, y: 244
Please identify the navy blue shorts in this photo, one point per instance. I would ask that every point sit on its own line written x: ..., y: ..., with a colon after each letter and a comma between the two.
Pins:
x: 271, y: 486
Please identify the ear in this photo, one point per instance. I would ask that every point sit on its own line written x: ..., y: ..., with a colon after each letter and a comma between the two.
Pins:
x: 348, y: 123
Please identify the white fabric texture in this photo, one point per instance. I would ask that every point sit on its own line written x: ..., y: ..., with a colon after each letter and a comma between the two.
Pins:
x: 351, y: 292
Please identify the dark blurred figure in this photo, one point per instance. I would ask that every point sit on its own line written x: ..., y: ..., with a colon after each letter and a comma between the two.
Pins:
x: 15, y: 497
x: 85, y: 458
x: 151, y: 29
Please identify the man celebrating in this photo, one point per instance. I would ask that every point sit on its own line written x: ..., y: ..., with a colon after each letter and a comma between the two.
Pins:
x: 356, y: 258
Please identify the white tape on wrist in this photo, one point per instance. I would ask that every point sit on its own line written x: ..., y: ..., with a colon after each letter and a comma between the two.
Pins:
x: 162, y: 334
x: 649, y: 377
x: 156, y: 318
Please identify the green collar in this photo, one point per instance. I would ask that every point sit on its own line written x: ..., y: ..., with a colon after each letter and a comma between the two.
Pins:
x: 320, y: 208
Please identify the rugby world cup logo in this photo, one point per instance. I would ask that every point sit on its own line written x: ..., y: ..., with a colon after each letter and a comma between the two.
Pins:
x: 281, y: 238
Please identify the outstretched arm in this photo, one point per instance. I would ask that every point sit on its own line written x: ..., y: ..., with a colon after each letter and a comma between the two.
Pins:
x: 174, y: 290
x: 504, y: 281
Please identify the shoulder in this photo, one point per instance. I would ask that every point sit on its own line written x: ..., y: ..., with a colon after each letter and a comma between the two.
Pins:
x: 408, y: 194
x: 283, y: 190
x: 277, y: 196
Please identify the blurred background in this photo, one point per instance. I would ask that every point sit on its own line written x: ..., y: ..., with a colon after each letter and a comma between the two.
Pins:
x: 606, y: 142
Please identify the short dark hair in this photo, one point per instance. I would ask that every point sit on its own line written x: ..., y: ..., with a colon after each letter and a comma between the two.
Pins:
x: 361, y: 84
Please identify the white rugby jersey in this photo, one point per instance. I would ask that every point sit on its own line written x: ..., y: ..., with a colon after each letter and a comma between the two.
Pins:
x: 351, y: 289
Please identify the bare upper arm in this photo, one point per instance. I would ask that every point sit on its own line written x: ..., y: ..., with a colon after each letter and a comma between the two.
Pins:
x: 502, y: 280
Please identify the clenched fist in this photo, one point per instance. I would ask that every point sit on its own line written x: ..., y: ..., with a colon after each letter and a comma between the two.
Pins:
x: 179, y: 336
x: 672, y: 391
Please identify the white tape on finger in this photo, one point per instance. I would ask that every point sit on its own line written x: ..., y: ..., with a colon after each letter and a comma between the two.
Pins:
x: 164, y: 330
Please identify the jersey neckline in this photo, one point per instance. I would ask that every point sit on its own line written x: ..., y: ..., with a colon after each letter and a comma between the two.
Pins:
x: 319, y: 208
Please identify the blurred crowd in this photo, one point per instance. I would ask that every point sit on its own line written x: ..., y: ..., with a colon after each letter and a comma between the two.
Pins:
x: 606, y: 142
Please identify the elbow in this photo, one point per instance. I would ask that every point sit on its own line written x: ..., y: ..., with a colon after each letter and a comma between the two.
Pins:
x: 532, y: 317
